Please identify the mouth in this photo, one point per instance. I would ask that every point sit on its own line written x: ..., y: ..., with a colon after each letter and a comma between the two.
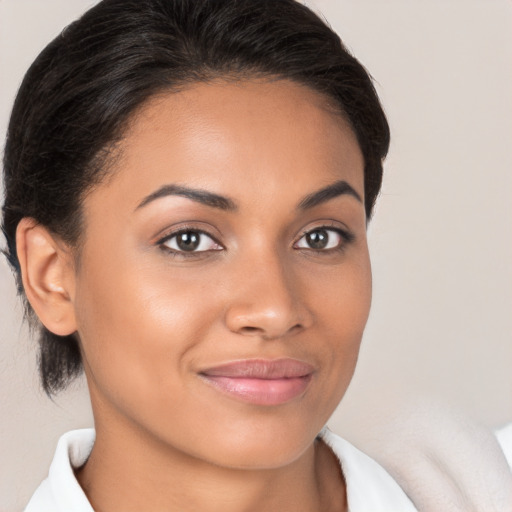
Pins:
x: 261, y: 382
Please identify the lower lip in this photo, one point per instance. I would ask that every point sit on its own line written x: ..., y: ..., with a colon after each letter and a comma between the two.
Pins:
x: 261, y: 391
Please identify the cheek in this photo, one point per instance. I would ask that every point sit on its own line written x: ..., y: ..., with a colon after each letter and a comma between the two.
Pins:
x: 343, y: 298
x: 138, y: 328
x: 343, y: 307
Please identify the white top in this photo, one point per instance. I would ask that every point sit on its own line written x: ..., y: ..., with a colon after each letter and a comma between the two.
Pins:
x: 504, y: 436
x: 369, y: 487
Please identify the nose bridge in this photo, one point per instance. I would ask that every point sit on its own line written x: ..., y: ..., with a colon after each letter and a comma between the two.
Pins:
x: 272, y: 283
x: 266, y: 301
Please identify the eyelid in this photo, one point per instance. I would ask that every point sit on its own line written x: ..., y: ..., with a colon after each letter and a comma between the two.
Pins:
x: 186, y: 225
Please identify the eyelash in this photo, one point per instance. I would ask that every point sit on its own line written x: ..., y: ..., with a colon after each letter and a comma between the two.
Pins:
x: 346, y: 238
x: 187, y: 254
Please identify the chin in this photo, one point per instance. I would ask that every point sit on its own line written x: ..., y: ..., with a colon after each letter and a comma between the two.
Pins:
x: 262, y: 445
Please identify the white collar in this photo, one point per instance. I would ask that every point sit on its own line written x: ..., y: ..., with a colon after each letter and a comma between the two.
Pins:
x: 369, y: 487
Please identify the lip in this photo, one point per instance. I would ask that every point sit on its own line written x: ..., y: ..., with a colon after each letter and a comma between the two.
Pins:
x: 259, y: 381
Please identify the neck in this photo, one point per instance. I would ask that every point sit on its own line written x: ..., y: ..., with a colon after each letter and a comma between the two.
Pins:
x: 134, y: 471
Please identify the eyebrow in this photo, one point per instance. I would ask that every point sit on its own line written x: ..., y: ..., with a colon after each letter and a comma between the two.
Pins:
x: 213, y: 200
x: 339, y: 188
x: 198, y: 195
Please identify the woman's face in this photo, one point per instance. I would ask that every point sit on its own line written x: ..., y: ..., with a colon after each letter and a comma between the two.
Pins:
x: 224, y: 281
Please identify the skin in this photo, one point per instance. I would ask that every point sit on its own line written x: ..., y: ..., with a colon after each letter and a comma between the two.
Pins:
x: 150, y: 319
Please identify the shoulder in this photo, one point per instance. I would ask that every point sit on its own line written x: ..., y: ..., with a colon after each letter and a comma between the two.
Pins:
x: 369, y: 486
x: 60, y: 491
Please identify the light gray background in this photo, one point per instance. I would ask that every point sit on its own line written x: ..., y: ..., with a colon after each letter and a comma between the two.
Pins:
x: 441, y: 241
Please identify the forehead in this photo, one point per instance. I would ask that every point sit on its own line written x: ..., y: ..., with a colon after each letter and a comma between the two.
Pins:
x: 237, y: 138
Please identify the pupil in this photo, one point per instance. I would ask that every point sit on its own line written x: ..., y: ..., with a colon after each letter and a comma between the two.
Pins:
x: 318, y: 239
x: 188, y: 241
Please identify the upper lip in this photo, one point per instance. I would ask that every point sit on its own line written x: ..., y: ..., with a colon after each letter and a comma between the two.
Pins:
x: 261, y: 369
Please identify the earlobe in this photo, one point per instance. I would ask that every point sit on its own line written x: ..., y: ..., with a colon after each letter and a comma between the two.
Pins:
x: 48, y: 276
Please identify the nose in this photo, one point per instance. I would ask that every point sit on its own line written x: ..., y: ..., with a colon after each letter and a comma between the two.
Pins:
x: 267, y: 302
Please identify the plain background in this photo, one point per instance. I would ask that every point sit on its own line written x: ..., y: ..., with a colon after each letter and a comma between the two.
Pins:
x: 441, y: 240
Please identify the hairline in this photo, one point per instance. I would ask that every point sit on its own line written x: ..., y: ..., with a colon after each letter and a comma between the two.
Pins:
x: 108, y: 160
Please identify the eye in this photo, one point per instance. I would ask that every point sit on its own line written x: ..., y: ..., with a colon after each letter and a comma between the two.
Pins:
x: 189, y: 241
x: 323, y: 239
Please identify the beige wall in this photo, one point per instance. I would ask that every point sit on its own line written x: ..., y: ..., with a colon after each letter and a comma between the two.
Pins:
x: 441, y: 241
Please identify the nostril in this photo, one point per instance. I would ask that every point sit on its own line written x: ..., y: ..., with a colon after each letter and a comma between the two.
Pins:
x: 249, y: 330
x: 268, y: 333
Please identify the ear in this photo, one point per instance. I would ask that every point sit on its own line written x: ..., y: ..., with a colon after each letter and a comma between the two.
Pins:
x: 48, y: 277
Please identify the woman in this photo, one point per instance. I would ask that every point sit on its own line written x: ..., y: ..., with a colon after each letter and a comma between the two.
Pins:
x: 187, y: 190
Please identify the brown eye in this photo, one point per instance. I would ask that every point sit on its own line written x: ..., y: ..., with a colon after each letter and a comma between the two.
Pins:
x: 318, y: 239
x: 190, y: 241
x: 322, y: 239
